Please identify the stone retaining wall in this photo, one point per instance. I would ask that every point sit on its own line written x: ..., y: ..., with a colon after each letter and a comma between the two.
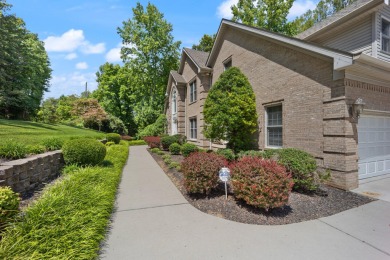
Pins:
x: 27, y: 174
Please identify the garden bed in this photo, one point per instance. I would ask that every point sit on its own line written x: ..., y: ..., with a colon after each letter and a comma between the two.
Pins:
x: 301, y: 207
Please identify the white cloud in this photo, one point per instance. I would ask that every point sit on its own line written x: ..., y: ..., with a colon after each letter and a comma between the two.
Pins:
x: 88, y: 48
x: 82, y: 66
x: 300, y: 7
x: 67, y: 42
x: 71, y: 41
x: 114, y: 55
x: 68, y: 84
x: 224, y: 9
x: 71, y: 56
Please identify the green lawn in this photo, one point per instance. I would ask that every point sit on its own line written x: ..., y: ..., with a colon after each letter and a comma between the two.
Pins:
x: 32, y: 133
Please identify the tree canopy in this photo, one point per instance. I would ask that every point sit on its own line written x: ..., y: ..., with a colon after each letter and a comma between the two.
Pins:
x: 150, y: 53
x: 206, y: 43
x: 266, y: 14
x: 230, y: 110
x: 24, y: 67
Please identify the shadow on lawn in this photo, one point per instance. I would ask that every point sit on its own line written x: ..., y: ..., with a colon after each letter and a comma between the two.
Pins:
x: 28, y: 125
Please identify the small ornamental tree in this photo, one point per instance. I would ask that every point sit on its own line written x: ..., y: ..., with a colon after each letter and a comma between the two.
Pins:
x: 230, y: 110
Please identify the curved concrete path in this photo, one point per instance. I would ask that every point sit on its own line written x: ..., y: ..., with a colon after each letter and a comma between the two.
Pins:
x: 154, y: 221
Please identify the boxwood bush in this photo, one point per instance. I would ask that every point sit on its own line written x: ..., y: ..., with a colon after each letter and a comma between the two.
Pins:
x: 175, y: 148
x: 200, y: 171
x: 9, y: 205
x: 227, y: 153
x: 188, y: 148
x: 302, y: 166
x: 261, y: 183
x: 113, y: 137
x: 83, y: 152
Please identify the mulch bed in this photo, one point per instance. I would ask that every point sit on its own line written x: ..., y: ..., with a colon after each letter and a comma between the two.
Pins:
x: 301, y: 207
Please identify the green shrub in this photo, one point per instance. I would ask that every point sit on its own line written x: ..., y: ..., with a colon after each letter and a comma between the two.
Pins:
x: 155, y: 129
x: 160, y: 152
x: 113, y: 137
x: 9, y: 204
x: 174, y: 165
x: 109, y: 143
x: 83, y: 152
x: 174, y: 148
x: 302, y: 167
x: 271, y: 153
x: 227, y: 153
x: 166, y: 141
x: 165, y: 156
x: 250, y: 153
x: 230, y: 110
x: 180, y: 139
x: 53, y: 143
x: 11, y: 149
x: 137, y: 142
x: 261, y: 183
x: 200, y: 171
x: 155, y: 150
x: 36, y: 149
x: 188, y: 148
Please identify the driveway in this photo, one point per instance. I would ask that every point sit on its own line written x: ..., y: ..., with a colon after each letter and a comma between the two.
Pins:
x: 377, y: 187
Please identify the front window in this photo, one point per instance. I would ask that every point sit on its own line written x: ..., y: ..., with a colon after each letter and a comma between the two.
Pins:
x: 193, y: 128
x: 385, y: 35
x: 227, y: 64
x: 193, y: 91
x: 274, y: 126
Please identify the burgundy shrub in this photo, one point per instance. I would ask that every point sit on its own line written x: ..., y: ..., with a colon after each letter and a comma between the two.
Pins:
x: 261, y: 183
x: 201, y: 171
x: 153, y: 141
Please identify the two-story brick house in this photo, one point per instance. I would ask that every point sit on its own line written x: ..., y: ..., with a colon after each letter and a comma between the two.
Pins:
x: 308, y: 89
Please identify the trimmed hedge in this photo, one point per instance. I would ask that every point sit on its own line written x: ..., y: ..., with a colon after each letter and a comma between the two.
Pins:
x: 188, y: 148
x: 113, y: 137
x: 261, y: 183
x: 83, y: 152
x: 200, y: 171
x: 175, y: 148
x: 153, y: 141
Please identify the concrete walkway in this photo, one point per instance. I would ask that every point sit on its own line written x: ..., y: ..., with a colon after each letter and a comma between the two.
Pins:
x: 154, y: 221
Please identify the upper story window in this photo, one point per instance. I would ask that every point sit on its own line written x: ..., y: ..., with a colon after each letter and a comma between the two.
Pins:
x: 193, y: 91
x: 274, y: 123
x: 385, y: 35
x: 174, y: 102
x: 227, y: 64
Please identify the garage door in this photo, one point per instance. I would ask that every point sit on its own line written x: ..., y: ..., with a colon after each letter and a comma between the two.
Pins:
x: 374, y: 146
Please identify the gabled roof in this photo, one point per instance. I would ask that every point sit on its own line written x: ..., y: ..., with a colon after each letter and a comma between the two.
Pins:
x: 199, y: 58
x: 354, y: 10
x: 340, y: 58
x: 177, y: 77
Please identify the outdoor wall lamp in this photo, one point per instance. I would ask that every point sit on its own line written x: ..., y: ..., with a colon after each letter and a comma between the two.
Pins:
x: 357, y: 108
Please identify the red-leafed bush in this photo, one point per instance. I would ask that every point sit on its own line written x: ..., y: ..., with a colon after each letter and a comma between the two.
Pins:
x: 153, y: 141
x: 201, y: 171
x: 126, y: 137
x: 261, y: 183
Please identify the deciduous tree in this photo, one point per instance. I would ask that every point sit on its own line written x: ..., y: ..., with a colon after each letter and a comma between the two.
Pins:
x: 205, y: 44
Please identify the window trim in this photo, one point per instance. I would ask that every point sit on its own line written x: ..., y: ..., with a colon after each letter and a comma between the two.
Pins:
x: 193, y: 98
x: 227, y: 61
x: 193, y: 119
x: 386, y: 36
x: 266, y: 126
x: 174, y: 101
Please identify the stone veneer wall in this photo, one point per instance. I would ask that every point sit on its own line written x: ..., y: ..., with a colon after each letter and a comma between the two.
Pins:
x: 27, y: 174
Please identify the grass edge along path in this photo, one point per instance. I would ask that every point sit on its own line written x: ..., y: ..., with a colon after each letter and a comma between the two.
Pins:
x: 70, y: 219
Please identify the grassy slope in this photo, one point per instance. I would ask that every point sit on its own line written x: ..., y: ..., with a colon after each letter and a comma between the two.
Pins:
x: 31, y: 133
x: 70, y: 219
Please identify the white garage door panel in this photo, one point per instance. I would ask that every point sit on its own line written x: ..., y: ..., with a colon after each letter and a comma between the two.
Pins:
x: 374, y: 146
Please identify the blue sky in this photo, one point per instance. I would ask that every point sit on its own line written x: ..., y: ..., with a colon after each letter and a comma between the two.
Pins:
x: 81, y: 35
